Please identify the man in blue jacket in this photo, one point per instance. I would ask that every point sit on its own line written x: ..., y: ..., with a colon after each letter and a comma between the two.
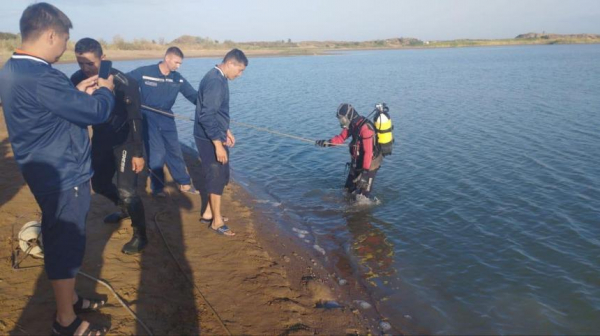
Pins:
x: 47, y: 119
x: 213, y: 136
x: 160, y: 84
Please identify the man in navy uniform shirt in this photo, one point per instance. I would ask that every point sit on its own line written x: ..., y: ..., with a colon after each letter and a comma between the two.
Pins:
x: 160, y: 84
x: 213, y: 136
x: 47, y: 119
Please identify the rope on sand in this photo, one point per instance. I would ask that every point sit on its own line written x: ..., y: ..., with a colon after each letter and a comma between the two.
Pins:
x: 102, y: 282
x: 186, y: 275
x: 181, y: 267
x: 107, y: 285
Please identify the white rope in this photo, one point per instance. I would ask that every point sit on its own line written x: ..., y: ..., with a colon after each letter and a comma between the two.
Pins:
x: 187, y: 277
x: 262, y: 129
x: 107, y: 285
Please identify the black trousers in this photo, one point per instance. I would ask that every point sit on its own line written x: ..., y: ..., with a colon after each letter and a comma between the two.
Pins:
x: 356, y: 169
x: 108, y: 162
x: 351, y: 185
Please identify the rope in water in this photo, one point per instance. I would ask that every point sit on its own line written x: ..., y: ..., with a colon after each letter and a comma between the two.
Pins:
x: 262, y: 129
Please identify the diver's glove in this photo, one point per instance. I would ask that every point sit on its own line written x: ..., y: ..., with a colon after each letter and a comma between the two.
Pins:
x: 362, y: 181
x: 322, y: 143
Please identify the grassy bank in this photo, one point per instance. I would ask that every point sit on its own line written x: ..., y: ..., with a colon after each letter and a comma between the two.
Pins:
x: 194, y: 46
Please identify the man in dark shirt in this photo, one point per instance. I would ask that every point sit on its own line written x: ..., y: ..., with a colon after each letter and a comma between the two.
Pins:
x: 213, y: 136
x: 47, y: 119
x: 117, y: 145
x: 160, y: 84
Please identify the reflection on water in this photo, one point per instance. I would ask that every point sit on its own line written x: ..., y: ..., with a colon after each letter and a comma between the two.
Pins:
x: 370, y: 245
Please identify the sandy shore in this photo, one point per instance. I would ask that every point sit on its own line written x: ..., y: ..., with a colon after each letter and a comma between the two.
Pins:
x: 259, y: 282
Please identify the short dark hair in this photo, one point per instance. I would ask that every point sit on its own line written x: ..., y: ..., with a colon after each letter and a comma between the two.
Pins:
x: 86, y: 45
x: 237, y: 55
x: 39, y: 17
x: 175, y: 51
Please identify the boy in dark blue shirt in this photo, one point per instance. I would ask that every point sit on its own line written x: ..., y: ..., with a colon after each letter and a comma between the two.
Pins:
x: 160, y: 84
x: 213, y: 137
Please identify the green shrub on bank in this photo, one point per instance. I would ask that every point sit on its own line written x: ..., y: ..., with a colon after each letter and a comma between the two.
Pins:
x: 9, y: 42
x: 8, y: 36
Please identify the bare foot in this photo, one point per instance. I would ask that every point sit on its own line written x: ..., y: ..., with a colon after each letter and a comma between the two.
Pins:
x: 223, y: 230
x: 188, y: 188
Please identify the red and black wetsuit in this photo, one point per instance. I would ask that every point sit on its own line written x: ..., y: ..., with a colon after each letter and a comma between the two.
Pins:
x: 362, y: 150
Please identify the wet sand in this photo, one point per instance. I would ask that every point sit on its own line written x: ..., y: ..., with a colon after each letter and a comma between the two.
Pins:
x: 258, y: 282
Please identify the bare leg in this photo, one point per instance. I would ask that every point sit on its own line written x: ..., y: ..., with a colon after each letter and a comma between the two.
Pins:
x: 64, y: 292
x: 215, y: 205
x: 208, y: 212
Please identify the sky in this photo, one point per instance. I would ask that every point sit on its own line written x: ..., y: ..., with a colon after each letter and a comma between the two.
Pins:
x: 310, y: 20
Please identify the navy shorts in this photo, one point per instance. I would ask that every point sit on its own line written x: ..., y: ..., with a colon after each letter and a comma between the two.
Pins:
x: 215, y: 175
x: 63, y: 230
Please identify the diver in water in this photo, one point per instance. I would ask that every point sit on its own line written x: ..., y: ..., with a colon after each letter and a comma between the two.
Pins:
x: 365, y: 153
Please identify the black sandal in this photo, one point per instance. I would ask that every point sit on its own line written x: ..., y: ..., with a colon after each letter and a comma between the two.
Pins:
x: 92, y: 329
x: 95, y: 304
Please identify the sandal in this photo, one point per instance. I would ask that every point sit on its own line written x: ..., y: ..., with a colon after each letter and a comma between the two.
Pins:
x: 190, y: 190
x: 95, y: 304
x: 92, y: 329
x: 223, y: 230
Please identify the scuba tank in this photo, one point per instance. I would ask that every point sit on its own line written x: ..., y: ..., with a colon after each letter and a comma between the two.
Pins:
x: 384, y: 128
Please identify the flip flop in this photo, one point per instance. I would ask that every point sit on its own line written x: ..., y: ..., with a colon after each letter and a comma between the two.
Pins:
x: 92, y: 329
x: 222, y: 230
x: 191, y: 190
x: 95, y: 304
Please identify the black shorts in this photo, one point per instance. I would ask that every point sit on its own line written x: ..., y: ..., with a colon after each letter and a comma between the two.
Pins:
x: 63, y: 230
x: 215, y: 175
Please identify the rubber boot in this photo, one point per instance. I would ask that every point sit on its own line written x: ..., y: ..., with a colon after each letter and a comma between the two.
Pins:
x: 137, y: 243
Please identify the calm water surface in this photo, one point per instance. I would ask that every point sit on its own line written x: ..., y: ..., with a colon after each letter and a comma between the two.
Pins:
x: 490, y: 205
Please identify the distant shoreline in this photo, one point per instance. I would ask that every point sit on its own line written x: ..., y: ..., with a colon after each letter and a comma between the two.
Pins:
x: 307, y: 48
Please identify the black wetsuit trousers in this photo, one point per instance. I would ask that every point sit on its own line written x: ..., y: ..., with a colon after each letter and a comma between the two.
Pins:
x: 351, y: 185
x: 108, y: 161
x: 356, y: 170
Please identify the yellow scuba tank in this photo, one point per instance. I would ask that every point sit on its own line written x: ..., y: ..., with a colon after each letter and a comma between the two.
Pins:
x: 384, y: 128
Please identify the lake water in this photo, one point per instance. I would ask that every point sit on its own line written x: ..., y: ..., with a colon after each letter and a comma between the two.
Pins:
x: 489, y: 219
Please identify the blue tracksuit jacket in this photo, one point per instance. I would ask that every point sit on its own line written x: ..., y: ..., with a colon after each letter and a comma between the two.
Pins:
x: 160, y: 91
x: 212, y: 109
x: 47, y: 119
